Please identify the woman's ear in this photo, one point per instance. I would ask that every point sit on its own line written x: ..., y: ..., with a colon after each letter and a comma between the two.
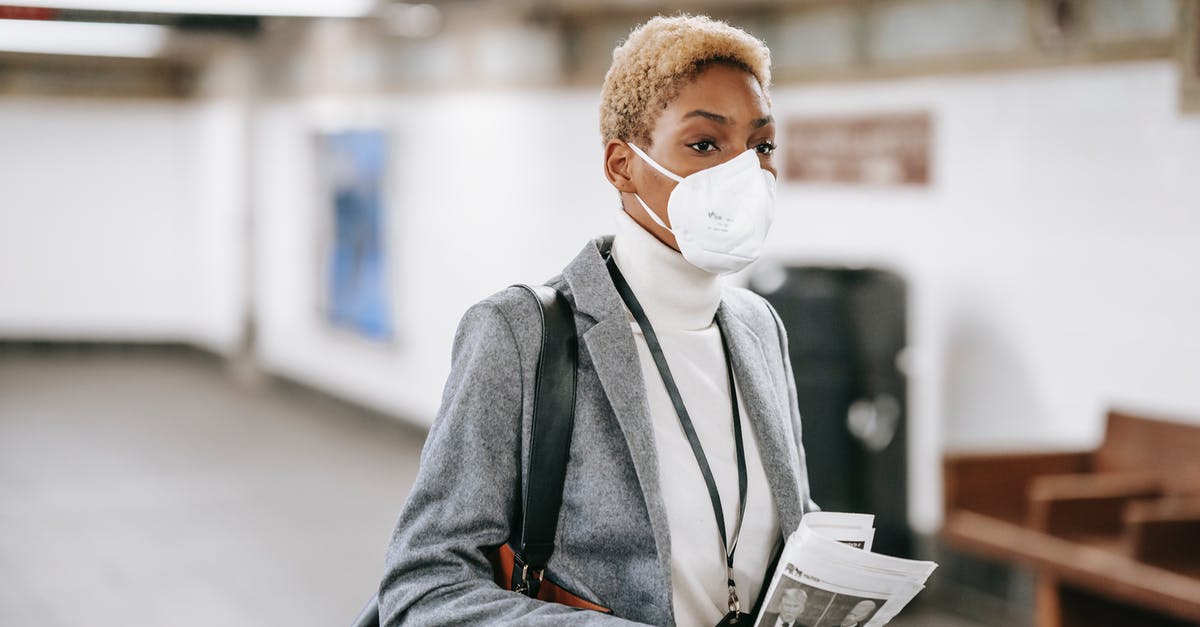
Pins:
x: 618, y: 165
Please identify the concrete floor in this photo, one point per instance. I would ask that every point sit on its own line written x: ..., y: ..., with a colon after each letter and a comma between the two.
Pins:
x: 147, y: 488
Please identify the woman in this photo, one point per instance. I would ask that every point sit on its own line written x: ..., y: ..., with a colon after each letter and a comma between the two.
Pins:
x: 689, y: 137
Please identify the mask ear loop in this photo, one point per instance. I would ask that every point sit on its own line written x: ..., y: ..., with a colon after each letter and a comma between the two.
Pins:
x: 665, y: 172
x: 645, y: 157
x: 653, y: 216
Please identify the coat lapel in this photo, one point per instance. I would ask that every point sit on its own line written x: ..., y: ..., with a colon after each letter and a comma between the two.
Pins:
x: 610, y: 345
x: 780, y: 457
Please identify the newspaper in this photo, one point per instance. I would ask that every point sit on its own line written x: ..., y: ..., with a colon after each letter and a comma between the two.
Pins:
x: 828, y: 576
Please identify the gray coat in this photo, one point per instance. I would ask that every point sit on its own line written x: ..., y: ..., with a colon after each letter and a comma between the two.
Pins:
x: 613, y: 543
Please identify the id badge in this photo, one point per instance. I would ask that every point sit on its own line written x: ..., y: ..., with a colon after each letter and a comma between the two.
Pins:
x: 740, y: 619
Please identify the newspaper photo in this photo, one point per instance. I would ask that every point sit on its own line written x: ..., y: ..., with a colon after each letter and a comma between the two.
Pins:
x: 828, y: 576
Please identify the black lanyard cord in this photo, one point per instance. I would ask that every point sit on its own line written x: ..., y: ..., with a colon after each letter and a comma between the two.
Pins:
x: 728, y: 546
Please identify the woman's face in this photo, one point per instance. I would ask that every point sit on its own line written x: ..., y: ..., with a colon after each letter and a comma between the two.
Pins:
x: 717, y: 116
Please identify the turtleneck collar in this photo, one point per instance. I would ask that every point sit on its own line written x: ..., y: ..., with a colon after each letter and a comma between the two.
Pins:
x: 675, y: 294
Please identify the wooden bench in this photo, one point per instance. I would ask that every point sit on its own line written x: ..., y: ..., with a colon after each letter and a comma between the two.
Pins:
x: 1113, y: 534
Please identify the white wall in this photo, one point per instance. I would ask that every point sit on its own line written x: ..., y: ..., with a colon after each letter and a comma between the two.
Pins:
x: 116, y: 220
x: 219, y: 203
x: 1053, y: 264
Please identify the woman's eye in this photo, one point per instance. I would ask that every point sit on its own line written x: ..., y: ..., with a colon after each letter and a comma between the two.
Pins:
x: 703, y: 146
x: 765, y: 148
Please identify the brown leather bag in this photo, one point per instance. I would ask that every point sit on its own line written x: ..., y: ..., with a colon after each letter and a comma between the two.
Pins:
x: 503, y: 565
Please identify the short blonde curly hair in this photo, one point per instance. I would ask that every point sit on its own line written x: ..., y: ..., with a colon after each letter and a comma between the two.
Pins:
x: 658, y: 57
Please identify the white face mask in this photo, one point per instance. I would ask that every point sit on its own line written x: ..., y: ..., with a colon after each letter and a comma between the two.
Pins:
x: 720, y: 215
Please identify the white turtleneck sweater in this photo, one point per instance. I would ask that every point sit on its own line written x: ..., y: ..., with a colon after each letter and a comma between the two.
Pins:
x: 681, y: 302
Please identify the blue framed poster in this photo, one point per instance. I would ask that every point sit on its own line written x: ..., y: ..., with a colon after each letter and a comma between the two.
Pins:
x: 353, y: 167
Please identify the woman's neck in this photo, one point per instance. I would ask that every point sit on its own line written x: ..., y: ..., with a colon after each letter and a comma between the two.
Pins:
x: 675, y: 294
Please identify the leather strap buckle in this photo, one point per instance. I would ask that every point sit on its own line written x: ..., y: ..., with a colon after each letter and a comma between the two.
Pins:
x: 523, y: 583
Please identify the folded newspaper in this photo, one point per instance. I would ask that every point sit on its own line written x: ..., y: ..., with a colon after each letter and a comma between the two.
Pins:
x: 828, y: 576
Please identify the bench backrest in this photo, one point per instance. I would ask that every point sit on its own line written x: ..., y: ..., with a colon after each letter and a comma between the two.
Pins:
x: 1135, y: 443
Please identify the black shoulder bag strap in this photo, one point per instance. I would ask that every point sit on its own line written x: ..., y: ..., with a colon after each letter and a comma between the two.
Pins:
x: 549, y: 440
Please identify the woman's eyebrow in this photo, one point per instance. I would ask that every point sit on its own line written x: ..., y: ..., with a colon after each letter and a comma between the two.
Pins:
x: 720, y: 119
x: 715, y: 117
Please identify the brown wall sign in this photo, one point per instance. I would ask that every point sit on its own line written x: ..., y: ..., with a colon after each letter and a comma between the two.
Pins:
x: 887, y: 149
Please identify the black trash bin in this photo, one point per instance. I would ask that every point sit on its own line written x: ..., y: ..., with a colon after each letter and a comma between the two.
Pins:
x: 847, y: 330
